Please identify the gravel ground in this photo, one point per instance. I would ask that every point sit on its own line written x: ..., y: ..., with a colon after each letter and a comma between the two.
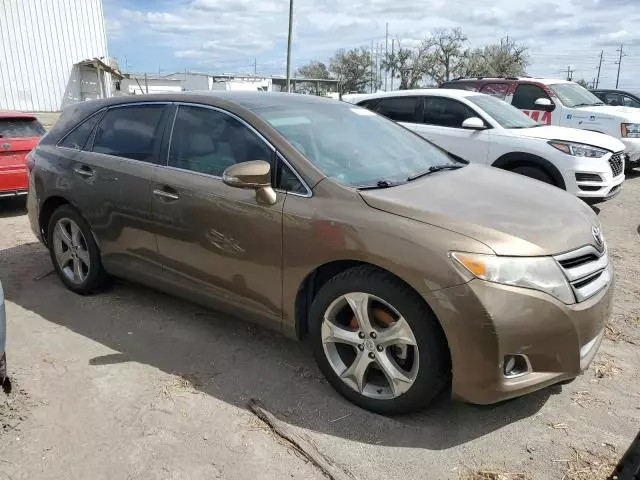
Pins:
x: 134, y: 384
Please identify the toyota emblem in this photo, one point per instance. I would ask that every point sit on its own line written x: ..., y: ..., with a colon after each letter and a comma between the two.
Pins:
x: 597, y: 236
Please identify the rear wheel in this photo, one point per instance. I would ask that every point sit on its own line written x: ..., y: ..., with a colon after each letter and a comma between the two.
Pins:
x: 377, y: 342
x: 535, y: 173
x: 74, y: 252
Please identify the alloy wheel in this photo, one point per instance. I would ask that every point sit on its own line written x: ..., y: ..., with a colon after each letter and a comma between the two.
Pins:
x: 71, y: 251
x: 370, y: 346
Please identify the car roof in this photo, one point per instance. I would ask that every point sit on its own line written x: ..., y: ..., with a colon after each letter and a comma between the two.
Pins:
x: 434, y: 92
x: 544, y: 81
x: 12, y: 114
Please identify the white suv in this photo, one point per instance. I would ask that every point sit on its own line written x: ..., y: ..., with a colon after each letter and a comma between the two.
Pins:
x: 483, y: 129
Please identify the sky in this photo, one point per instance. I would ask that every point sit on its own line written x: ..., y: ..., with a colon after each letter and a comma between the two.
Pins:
x: 238, y: 36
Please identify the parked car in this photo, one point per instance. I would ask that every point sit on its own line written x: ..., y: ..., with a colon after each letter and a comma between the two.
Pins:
x: 563, y: 103
x: 618, y: 98
x: 3, y: 339
x: 483, y: 129
x: 404, y: 268
x: 19, y: 133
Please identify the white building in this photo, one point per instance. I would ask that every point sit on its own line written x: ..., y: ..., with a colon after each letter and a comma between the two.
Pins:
x: 53, y: 53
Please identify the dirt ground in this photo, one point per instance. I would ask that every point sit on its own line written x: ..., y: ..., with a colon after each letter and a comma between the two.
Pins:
x: 134, y: 384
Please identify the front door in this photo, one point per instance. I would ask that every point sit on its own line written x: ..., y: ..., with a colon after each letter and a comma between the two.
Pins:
x: 525, y: 97
x: 218, y: 245
x: 442, y: 124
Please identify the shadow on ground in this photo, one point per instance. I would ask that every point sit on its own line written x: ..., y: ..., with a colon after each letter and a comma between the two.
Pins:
x: 234, y: 361
x: 13, y: 207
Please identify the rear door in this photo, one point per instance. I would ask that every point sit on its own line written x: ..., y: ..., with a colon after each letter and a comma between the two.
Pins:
x: 112, y: 180
x: 18, y: 136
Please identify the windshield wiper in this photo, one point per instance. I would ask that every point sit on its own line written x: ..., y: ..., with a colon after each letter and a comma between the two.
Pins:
x: 433, y: 169
x: 378, y: 184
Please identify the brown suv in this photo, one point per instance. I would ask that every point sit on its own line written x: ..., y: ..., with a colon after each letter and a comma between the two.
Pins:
x: 404, y: 268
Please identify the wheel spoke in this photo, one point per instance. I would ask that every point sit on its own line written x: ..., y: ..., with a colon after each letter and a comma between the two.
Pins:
x: 63, y: 258
x: 359, y: 303
x: 332, y: 333
x: 77, y: 270
x: 357, y: 370
x: 83, y: 255
x: 399, y: 333
x: 76, y: 235
x: 399, y: 382
x: 64, y: 235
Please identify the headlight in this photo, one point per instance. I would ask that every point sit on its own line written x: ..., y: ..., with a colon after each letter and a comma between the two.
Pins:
x: 538, y: 273
x: 578, y: 149
x: 630, y: 130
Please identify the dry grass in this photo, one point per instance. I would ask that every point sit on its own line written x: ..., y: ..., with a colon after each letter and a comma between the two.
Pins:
x: 585, y: 399
x: 492, y: 475
x: 605, y: 366
x: 182, y: 383
x: 588, y: 465
x: 559, y: 426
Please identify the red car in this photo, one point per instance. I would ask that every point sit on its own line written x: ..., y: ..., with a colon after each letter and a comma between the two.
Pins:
x: 19, y: 133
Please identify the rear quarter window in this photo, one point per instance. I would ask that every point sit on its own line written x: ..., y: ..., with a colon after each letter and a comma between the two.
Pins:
x: 78, y: 137
x: 20, y: 128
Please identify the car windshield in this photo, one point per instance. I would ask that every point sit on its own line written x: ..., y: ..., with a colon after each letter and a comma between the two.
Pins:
x: 20, y: 128
x: 353, y: 145
x: 503, y: 113
x: 573, y: 95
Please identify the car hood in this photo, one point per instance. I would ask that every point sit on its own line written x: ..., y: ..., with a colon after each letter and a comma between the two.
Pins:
x: 610, y: 112
x: 573, y: 135
x: 511, y: 214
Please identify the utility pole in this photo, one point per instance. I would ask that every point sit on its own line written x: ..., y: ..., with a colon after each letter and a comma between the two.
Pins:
x: 289, y: 46
x: 569, y: 73
x: 393, y: 45
x: 619, y: 62
x: 599, y: 68
x: 255, y: 67
x: 146, y: 83
x: 386, y: 54
x: 377, y: 68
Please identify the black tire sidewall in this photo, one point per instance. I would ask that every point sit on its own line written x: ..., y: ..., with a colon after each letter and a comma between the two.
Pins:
x: 434, y: 368
x: 96, y: 275
x: 535, y: 173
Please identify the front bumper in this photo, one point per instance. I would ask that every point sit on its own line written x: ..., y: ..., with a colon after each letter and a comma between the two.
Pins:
x: 485, y: 321
x: 583, y: 183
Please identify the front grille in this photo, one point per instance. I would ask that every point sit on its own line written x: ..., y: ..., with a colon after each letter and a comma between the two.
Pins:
x: 589, y: 188
x: 588, y: 177
x: 586, y: 270
x: 616, y: 163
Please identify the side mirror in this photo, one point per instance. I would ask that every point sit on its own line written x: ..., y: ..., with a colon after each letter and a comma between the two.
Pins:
x: 474, y: 123
x: 545, y: 104
x: 255, y: 175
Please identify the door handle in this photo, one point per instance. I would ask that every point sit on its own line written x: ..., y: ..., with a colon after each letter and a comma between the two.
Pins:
x: 166, y: 193
x: 84, y: 171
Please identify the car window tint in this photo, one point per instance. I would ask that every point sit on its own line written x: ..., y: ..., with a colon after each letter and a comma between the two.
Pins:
x: 446, y: 112
x: 208, y: 141
x: 612, y: 99
x: 288, y: 181
x: 400, y: 109
x: 496, y: 89
x: 77, y: 139
x: 630, y: 102
x: 130, y: 132
x: 20, y: 128
x: 370, y: 104
x: 526, y: 96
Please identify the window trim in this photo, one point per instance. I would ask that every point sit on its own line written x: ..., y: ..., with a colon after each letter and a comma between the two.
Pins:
x: 100, y: 113
x: 273, y: 149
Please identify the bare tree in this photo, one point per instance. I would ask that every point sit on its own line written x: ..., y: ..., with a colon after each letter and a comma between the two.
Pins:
x: 447, y: 54
x: 353, y: 69
x: 314, y: 69
x: 504, y: 59
x: 408, y: 64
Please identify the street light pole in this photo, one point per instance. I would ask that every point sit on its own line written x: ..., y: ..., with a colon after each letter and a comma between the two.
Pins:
x: 289, y: 46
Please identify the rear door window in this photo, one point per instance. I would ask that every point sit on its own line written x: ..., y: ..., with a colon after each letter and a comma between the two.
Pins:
x: 630, y: 102
x: 496, y: 90
x: 131, y: 132
x: 20, y: 128
x: 78, y: 137
x: 612, y: 99
x: 400, y: 109
x: 446, y: 112
x: 526, y: 96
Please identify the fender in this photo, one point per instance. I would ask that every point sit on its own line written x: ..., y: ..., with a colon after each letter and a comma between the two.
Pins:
x: 512, y: 160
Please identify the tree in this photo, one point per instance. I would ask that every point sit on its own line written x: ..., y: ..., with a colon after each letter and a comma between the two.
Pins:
x: 407, y: 65
x: 505, y: 59
x: 447, y: 56
x: 353, y: 69
x: 583, y: 83
x: 315, y: 70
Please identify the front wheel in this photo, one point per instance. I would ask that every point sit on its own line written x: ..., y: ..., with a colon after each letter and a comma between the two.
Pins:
x: 535, y: 173
x: 377, y: 342
x: 74, y: 252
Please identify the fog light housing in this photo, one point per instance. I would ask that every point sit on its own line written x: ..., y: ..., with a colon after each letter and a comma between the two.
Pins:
x: 516, y: 365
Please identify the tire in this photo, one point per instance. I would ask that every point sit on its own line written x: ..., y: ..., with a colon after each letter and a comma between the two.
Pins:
x: 85, y: 253
x: 535, y: 173
x: 427, y: 364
